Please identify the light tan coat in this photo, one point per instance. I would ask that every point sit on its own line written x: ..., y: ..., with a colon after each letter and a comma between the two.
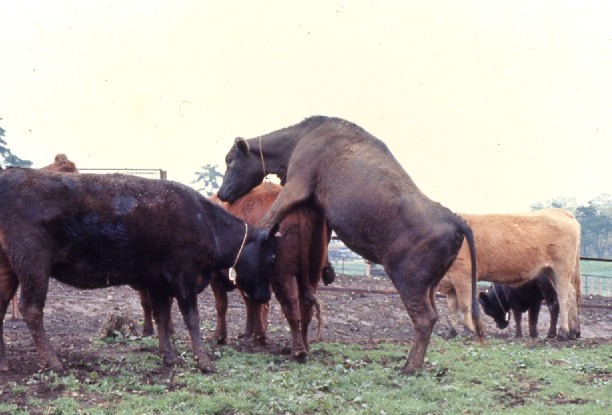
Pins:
x: 515, y: 248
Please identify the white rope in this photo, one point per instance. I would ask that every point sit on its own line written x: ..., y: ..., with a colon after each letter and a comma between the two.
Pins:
x: 506, y: 313
x: 232, y: 271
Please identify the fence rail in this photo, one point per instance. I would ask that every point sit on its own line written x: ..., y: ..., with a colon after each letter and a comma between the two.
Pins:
x: 596, y: 272
x: 155, y: 173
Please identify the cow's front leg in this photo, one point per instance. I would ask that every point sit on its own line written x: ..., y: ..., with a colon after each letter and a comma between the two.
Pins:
x: 188, y: 304
x: 221, y: 304
x: 256, y: 321
x: 518, y: 322
x: 533, y: 313
x: 31, y: 304
x: 145, y: 303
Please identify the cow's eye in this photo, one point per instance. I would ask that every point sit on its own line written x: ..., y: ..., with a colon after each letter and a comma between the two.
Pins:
x: 229, y: 159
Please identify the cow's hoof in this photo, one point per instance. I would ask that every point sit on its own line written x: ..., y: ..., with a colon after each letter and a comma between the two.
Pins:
x: 451, y: 333
x: 147, y: 333
x: 409, y: 370
x: 4, y: 367
x: 300, y: 356
x: 172, y: 360
x: 220, y: 340
x: 59, y: 369
x: 259, y: 340
x: 207, y: 366
x: 563, y: 336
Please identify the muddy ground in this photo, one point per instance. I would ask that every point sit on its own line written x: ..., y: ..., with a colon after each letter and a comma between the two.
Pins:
x: 74, y: 318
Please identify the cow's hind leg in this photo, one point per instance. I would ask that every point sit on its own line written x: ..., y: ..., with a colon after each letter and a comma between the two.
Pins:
x: 563, y: 296
x: 286, y: 292
x: 160, y: 303
x: 8, y: 287
x: 533, y: 314
x: 145, y: 303
x: 308, y: 304
x: 188, y: 304
x: 417, y: 295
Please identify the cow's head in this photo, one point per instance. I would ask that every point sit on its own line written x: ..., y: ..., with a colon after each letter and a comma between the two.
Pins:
x: 243, y: 171
x: 255, y: 264
x: 492, y: 306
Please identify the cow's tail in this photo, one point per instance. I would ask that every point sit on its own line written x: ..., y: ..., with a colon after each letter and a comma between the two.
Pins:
x: 319, y: 319
x: 469, y: 236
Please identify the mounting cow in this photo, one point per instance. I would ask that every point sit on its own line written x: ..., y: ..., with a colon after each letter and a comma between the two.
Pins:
x: 95, y: 231
x: 516, y: 248
x: 501, y: 299
x: 369, y: 201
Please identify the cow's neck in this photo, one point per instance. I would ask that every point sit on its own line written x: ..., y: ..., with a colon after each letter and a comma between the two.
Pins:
x: 276, y: 150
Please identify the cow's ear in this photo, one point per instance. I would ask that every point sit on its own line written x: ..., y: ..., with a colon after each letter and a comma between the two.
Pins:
x: 242, y: 145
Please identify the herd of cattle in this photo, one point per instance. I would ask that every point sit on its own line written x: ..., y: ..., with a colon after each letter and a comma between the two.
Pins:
x: 169, y: 242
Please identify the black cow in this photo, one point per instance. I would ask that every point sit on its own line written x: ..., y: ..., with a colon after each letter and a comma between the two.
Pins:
x: 501, y: 299
x: 95, y: 231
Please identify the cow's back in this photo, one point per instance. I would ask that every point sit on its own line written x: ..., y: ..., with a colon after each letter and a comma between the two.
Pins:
x: 513, y: 248
x: 120, y: 224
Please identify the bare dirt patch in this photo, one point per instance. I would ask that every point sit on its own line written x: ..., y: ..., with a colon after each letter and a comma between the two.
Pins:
x: 74, y: 318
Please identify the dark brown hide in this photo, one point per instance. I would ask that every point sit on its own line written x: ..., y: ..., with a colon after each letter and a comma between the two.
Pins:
x: 300, y: 258
x: 60, y: 164
x: 369, y: 201
x: 94, y: 231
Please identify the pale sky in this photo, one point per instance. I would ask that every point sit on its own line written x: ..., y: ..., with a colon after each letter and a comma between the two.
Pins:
x: 490, y: 106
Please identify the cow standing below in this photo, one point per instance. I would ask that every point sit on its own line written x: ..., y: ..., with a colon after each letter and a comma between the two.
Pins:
x: 95, y: 231
x: 516, y: 248
x: 500, y: 299
x: 300, y: 259
x: 369, y: 201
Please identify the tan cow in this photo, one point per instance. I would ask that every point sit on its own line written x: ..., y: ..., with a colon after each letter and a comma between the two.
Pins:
x: 516, y: 248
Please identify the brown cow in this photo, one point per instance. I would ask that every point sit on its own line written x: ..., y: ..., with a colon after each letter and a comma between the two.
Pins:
x: 60, y: 164
x: 516, y: 248
x: 95, y: 231
x: 369, y: 201
x: 300, y: 258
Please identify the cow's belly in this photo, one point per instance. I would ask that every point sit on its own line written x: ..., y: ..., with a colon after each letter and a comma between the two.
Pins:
x: 83, y: 276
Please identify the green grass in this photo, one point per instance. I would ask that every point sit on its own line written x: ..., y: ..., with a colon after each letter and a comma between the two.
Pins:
x: 459, y: 378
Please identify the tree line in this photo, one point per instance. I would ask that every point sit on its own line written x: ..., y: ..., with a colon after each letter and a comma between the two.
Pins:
x: 7, y: 158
